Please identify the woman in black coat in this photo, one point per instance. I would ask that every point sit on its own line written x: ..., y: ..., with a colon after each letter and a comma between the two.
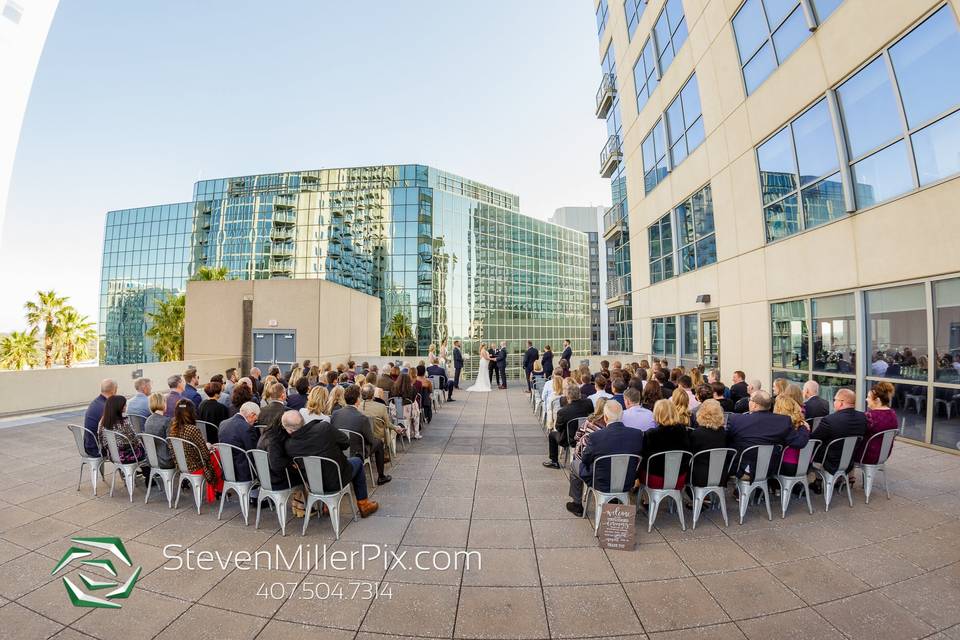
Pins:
x: 546, y: 360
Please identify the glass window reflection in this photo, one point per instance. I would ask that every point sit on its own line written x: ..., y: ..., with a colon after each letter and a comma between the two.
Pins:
x: 883, y: 175
x: 834, y: 333
x: 789, y: 334
x: 897, y: 332
x: 935, y: 149
x: 869, y: 108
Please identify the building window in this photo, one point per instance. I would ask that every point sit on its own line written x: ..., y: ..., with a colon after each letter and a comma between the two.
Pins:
x: 690, y: 343
x: 823, y: 8
x: 646, y: 75
x: 768, y: 31
x: 897, y: 332
x: 660, y: 236
x: 601, y: 17
x: 669, y: 33
x: 633, y: 9
x: 788, y: 334
x: 654, y: 149
x: 834, y: 334
x: 685, y: 122
x: 664, y: 337
x: 697, y: 239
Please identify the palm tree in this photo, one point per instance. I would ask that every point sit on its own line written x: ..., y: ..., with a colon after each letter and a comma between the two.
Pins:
x: 74, y: 336
x: 19, y: 350
x: 210, y: 273
x: 399, y: 332
x: 41, y: 314
x: 166, y: 327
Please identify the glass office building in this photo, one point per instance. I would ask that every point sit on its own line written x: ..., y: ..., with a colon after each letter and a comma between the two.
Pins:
x: 450, y: 258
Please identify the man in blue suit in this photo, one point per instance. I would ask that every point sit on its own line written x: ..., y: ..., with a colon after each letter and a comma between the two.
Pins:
x: 240, y: 431
x: 762, y: 426
x: 457, y: 363
x: 530, y: 357
x: 615, y: 438
x: 567, y: 353
x: 446, y: 383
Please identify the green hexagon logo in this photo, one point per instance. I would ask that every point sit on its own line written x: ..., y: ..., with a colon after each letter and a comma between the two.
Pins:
x: 79, y: 597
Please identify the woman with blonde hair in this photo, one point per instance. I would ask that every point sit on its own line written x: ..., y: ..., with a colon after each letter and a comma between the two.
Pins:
x: 670, y: 434
x: 709, y: 433
x: 335, y: 401
x: 696, y: 377
x: 779, y: 386
x: 794, y: 392
x: 681, y: 400
x: 316, y: 408
x: 295, y: 374
x: 787, y: 406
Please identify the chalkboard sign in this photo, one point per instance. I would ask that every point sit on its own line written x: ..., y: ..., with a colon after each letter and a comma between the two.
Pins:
x: 618, y: 526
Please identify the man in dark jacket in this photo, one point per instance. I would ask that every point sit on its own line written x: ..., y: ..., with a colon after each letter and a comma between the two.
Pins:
x: 240, y: 431
x: 577, y: 407
x: 352, y: 419
x: 530, y: 357
x: 567, y: 353
x: 761, y: 426
x: 92, y: 416
x: 615, y: 438
x: 276, y: 397
x: 739, y: 389
x: 845, y: 421
x: 813, y: 405
x: 743, y: 404
x: 457, y: 363
x: 445, y: 382
x: 320, y: 438
x: 501, y: 363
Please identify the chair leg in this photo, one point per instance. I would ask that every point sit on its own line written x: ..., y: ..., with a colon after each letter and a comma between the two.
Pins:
x: 335, y: 518
x: 786, y: 490
x: 867, y: 483
x: 766, y: 500
x: 827, y: 492
x: 679, y: 501
x: 806, y: 493
x: 652, y: 507
x: 223, y: 499
x: 244, y: 499
x: 308, y: 506
x: 80, y: 479
x: 282, y: 516
x: 744, y: 499
x: 885, y: 487
x: 128, y: 478
x: 113, y: 481
x: 257, y: 522
x: 723, y: 507
x: 146, y: 498
x: 697, y: 506
x: 176, y: 503
x: 846, y: 483
x: 168, y: 489
x: 197, y: 494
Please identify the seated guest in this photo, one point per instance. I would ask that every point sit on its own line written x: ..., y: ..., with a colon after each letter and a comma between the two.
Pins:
x: 298, y: 400
x: 739, y: 389
x: 619, y: 385
x: 587, y: 387
x: 652, y: 392
x: 241, y: 395
x: 351, y: 419
x: 813, y: 405
x: 761, y: 426
x: 552, y: 389
x: 445, y: 382
x: 779, y: 386
x: 199, y: 460
x: 92, y: 416
x: 845, y: 421
x: 615, y: 438
x: 743, y: 404
x: 129, y: 446
x: 319, y: 438
x: 696, y: 378
x: 793, y: 392
x: 316, y: 405
x: 703, y: 393
x: 576, y: 407
x: 424, y: 388
x: 564, y: 366
x: 313, y: 377
x: 379, y: 415
x: 256, y: 384
x: 636, y: 416
x: 274, y: 397
x: 600, y: 383
x: 880, y: 418
x: 670, y: 434
x: 787, y: 406
x: 211, y: 410
x: 176, y: 387
x: 384, y: 381
x: 240, y: 431
x: 666, y: 386
x: 138, y: 403
x: 720, y: 395
x: 332, y: 379
x: 190, y: 387
x: 685, y: 382
x: 714, y: 376
x: 229, y: 382
x: 681, y: 402
x: 708, y: 434
x: 403, y: 386
x: 335, y: 402
x: 158, y: 425
x: 594, y: 422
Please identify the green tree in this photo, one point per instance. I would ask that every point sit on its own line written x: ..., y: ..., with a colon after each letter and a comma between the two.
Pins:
x: 210, y: 273
x: 399, y: 333
x: 74, y: 337
x: 166, y: 327
x: 41, y: 316
x: 19, y: 350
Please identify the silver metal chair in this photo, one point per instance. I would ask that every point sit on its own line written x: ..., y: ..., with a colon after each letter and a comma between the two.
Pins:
x: 759, y: 477
x: 137, y: 421
x: 151, y: 444
x: 870, y: 471
x: 572, y: 427
x: 398, y: 405
x: 830, y: 480
x: 439, y: 393
x: 315, y: 490
x: 918, y: 400
x: 623, y: 469
x: 787, y: 483
x: 550, y: 412
x: 717, y: 472
x: 128, y: 470
x: 363, y: 448
x: 197, y: 481
x: 672, y: 464
x: 94, y: 462
x: 241, y: 488
x: 280, y: 498
x: 203, y: 426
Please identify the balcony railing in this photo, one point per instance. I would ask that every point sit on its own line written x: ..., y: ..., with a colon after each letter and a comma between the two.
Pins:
x: 284, y: 217
x: 281, y: 234
x: 284, y: 201
x: 610, y: 156
x: 282, y: 250
x: 614, y: 221
x: 618, y: 287
x: 606, y: 94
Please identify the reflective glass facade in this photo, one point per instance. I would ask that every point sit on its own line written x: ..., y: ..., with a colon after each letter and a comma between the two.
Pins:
x: 454, y: 256
x: 684, y: 239
x: 674, y: 137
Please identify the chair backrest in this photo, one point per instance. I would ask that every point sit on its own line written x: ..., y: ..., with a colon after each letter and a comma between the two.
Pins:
x: 113, y: 447
x: 150, y: 444
x: 137, y: 421
x: 261, y: 462
x: 672, y: 464
x: 312, y: 466
x: 764, y: 453
x: 180, y: 452
x: 78, y: 433
x: 555, y: 404
x: 435, y: 381
x: 572, y: 427
x: 803, y: 457
x: 719, y: 465
x: 885, y: 445
x: 726, y: 417
x: 814, y: 422
x: 227, y: 453
x: 848, y: 444
x: 353, y: 436
x: 622, y: 465
x: 203, y: 425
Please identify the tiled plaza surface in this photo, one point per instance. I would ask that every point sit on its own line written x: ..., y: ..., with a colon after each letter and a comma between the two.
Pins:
x: 890, y: 569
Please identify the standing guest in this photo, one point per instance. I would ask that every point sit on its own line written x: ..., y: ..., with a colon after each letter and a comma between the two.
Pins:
x: 335, y: 402
x: 708, y: 434
x: 599, y: 384
x: 813, y: 405
x: 530, y: 357
x: 190, y: 387
x: 176, y: 386
x: 211, y: 410
x: 636, y: 416
x: 240, y: 396
x: 743, y: 404
x: 652, y: 392
x: 298, y: 400
x: 274, y: 396
x: 845, y: 421
x: 547, y: 362
x: 316, y: 405
x: 880, y: 418
x: 619, y: 387
x: 457, y: 363
x: 739, y: 390
x: 670, y: 434
x: 229, y: 382
x: 787, y: 406
x: 567, y: 353
x: 681, y: 402
x: 576, y: 407
x: 129, y: 446
x: 352, y: 419
x: 240, y: 431
x: 720, y: 395
x: 158, y: 425
x: 199, y: 460
x: 138, y: 404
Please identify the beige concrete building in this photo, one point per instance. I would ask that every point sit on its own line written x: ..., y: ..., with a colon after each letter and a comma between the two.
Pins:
x: 791, y: 190
x: 279, y: 322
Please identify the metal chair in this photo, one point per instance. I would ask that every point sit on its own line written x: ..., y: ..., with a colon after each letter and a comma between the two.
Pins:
x: 363, y: 449
x: 206, y: 428
x: 241, y: 488
x: 787, y: 483
x: 398, y: 405
x: 315, y: 491
x: 197, y: 481
x: 439, y: 391
x: 870, y: 471
x: 550, y: 414
x: 623, y: 471
x: 280, y: 498
x: 150, y: 445
x: 94, y: 462
x: 717, y: 471
x: 918, y: 399
x: 830, y: 480
x: 126, y: 469
x: 814, y: 423
x: 672, y: 464
x: 759, y: 478
x: 726, y: 417
x: 137, y: 421
x: 572, y: 427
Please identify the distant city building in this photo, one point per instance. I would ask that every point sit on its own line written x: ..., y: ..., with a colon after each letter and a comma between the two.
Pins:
x: 449, y: 258
x: 590, y: 221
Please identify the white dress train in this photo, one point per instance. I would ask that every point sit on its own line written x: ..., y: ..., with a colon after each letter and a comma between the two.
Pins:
x: 482, y: 385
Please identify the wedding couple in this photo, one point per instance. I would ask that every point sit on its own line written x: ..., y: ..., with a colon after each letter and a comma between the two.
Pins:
x: 497, y: 360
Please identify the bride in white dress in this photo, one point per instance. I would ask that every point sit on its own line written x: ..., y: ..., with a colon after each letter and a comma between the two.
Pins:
x: 482, y: 385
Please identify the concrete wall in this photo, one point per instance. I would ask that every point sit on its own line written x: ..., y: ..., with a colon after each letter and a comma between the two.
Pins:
x: 331, y: 320
x: 44, y: 389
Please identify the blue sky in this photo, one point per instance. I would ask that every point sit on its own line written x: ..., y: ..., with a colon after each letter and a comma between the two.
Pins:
x: 134, y: 101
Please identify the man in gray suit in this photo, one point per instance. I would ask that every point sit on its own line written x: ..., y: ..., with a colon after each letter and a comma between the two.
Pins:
x: 351, y: 418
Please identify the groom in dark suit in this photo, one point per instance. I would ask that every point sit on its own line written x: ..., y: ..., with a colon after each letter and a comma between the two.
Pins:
x: 457, y: 363
x: 531, y: 356
x: 567, y: 353
x: 502, y: 365
x: 492, y: 367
